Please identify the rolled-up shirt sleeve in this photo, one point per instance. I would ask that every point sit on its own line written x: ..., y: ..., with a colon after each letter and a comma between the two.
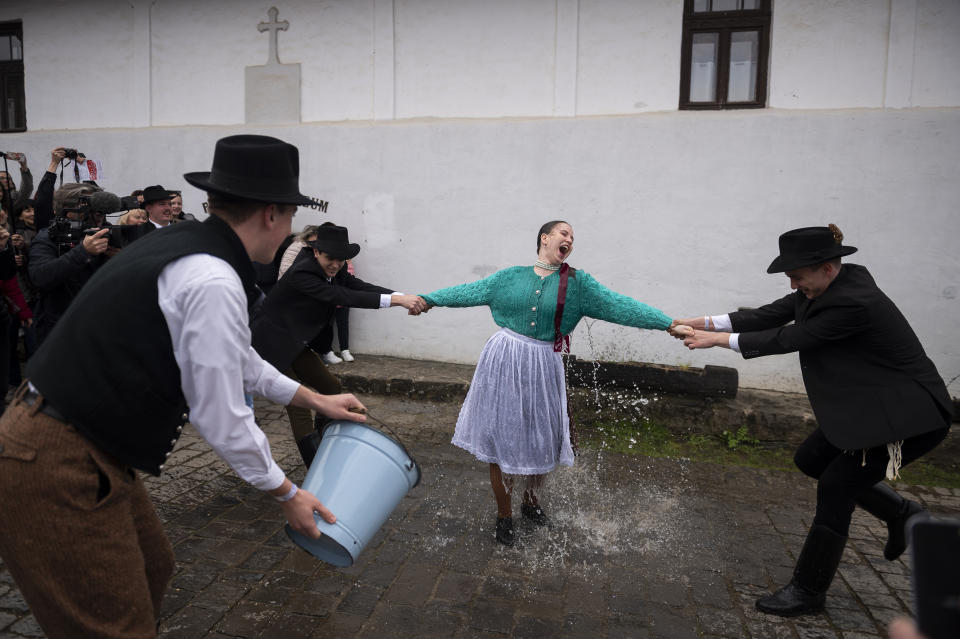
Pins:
x: 203, y: 301
x: 721, y: 323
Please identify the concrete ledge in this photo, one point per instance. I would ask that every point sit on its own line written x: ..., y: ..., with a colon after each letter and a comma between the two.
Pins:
x: 710, y: 381
x: 686, y: 400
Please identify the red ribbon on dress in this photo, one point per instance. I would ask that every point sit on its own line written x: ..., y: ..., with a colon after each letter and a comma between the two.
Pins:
x: 561, y: 342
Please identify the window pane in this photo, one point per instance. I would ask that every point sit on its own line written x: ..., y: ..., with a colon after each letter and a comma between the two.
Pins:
x: 703, y: 67
x: 17, y: 48
x: 742, y: 83
x: 701, y: 5
x: 751, y: 4
x: 726, y: 5
x: 14, y: 106
x: 4, y: 48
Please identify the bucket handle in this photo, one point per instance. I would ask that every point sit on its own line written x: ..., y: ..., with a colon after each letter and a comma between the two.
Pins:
x: 411, y: 463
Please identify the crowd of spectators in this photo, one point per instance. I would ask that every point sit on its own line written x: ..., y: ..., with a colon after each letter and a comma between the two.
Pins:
x: 55, y: 238
x: 52, y: 241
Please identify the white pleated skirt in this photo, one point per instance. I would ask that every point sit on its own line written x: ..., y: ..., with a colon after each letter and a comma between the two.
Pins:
x: 515, y: 413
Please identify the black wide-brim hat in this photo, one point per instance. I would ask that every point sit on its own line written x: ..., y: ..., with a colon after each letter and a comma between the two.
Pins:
x: 334, y: 241
x: 156, y: 193
x: 808, y: 246
x: 253, y: 167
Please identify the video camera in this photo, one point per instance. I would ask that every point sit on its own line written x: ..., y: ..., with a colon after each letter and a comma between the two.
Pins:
x: 66, y: 233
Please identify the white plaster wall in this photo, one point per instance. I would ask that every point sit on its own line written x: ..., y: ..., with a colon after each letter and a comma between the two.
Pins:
x: 679, y: 210
x: 629, y: 56
x: 828, y: 54
x: 936, y: 78
x: 462, y: 58
x: 200, y: 51
x: 137, y: 63
x: 79, y: 66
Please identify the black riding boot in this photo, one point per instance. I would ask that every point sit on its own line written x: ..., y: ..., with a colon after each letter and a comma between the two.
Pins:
x: 885, y: 504
x: 807, y: 591
x: 308, y: 447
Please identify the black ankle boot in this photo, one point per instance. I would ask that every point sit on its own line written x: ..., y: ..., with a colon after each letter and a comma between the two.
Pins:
x: 505, y: 530
x: 308, y: 447
x: 807, y: 591
x: 534, y: 514
x: 885, y: 504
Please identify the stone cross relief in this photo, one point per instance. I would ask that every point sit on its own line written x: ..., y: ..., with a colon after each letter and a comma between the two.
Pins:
x: 272, y: 90
x: 274, y: 27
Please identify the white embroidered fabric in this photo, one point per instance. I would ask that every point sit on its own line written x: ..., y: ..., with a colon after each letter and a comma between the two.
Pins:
x: 515, y: 414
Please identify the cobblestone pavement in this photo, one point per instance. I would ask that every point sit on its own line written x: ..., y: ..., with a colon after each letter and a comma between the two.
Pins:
x: 637, y: 547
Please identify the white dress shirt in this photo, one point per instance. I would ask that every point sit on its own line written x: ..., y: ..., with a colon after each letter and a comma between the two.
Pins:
x: 203, y: 301
x: 723, y: 323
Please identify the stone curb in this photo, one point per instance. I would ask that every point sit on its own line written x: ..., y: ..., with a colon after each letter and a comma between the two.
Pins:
x: 686, y: 400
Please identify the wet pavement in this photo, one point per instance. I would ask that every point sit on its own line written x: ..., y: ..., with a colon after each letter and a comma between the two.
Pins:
x: 636, y: 547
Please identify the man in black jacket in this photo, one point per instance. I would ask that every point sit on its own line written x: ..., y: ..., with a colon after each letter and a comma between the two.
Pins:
x: 879, y: 401
x: 301, y: 304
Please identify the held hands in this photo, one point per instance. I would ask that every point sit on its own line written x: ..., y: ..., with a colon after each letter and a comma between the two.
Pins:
x: 703, y: 339
x: 695, y: 334
x: 4, y: 238
x: 413, y: 303
x: 96, y: 243
x: 697, y: 323
x: 680, y: 331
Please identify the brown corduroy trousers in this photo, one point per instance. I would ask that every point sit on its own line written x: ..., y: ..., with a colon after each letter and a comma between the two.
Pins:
x: 78, y: 531
x: 309, y: 369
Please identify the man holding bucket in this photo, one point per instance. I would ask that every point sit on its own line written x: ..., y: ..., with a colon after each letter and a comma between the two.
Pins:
x: 80, y: 536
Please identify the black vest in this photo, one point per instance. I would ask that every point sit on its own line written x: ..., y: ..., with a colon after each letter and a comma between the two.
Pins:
x: 108, y: 365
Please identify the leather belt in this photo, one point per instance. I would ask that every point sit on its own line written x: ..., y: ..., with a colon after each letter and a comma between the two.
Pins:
x: 31, y: 398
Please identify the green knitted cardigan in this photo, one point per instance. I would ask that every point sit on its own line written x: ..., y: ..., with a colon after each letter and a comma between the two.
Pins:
x: 525, y: 302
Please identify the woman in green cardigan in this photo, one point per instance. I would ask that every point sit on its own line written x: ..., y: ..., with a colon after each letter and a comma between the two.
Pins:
x: 515, y: 415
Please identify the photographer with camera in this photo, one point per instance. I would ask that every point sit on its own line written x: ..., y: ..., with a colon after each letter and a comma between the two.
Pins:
x: 10, y: 196
x: 43, y: 200
x: 69, y: 251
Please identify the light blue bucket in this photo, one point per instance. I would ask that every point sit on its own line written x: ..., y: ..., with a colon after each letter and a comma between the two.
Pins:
x: 360, y: 474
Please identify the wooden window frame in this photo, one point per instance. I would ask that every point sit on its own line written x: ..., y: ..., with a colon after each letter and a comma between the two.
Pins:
x: 725, y: 23
x: 12, y: 69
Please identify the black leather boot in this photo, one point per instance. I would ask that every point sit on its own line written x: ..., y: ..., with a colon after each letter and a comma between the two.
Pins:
x: 885, y: 504
x: 505, y: 531
x: 308, y: 447
x: 534, y: 514
x: 807, y: 591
